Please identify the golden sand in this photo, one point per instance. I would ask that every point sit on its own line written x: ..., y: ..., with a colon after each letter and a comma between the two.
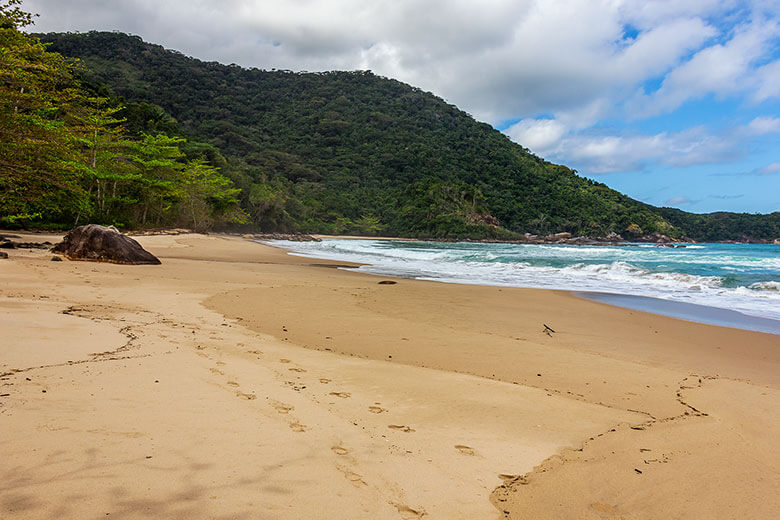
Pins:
x: 236, y: 381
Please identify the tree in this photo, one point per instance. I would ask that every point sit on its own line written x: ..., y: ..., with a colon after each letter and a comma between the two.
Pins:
x: 39, y: 156
x: 159, y: 174
x: 100, y: 136
x: 65, y: 154
x: 207, y: 197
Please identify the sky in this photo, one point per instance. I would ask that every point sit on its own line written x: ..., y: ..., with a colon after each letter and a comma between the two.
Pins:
x: 673, y: 102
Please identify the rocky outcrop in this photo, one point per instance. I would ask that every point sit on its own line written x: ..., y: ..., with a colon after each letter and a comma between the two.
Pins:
x: 558, y: 236
x: 10, y: 244
x: 162, y: 231
x: 101, y: 244
x: 613, y: 237
x: 658, y: 238
x: 633, y: 232
x: 293, y: 237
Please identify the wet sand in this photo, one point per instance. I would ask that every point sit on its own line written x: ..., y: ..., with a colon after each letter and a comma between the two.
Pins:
x: 687, y: 311
x: 236, y: 381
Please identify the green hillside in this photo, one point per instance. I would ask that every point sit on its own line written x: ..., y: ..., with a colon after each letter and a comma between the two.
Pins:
x: 352, y: 152
x: 722, y: 226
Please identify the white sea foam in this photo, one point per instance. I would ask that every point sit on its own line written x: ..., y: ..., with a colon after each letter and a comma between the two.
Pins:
x: 765, y: 286
x: 704, y: 276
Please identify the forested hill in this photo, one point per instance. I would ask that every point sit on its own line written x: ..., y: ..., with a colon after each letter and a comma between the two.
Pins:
x: 352, y: 152
x: 722, y: 225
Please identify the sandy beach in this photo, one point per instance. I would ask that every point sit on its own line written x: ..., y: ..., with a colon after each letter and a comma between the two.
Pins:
x: 236, y: 381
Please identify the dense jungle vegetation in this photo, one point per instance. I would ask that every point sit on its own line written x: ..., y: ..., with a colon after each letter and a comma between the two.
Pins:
x: 722, y: 226
x: 103, y: 127
x: 67, y: 158
x: 350, y: 152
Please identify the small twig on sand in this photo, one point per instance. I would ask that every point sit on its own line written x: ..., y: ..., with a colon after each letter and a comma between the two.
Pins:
x: 548, y: 330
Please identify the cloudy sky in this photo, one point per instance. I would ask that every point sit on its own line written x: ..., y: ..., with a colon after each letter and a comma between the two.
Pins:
x: 674, y: 102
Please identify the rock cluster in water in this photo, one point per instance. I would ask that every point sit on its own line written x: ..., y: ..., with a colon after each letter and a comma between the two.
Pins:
x: 292, y: 237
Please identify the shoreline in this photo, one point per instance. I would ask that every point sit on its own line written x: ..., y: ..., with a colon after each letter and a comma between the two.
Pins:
x: 235, y: 378
x: 549, y: 240
x: 693, y: 312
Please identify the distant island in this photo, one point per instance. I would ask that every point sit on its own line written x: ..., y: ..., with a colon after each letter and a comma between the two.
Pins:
x: 153, y: 138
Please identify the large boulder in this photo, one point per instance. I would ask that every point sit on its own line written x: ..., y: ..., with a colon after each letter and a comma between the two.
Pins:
x: 101, y: 244
x: 558, y: 236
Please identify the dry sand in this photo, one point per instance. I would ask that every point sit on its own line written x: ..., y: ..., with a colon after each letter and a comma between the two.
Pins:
x: 235, y: 381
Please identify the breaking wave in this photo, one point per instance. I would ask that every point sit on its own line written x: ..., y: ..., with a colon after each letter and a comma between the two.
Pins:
x: 738, y: 277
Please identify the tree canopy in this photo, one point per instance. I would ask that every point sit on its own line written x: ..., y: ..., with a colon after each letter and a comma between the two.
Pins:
x: 352, y: 152
x: 65, y: 155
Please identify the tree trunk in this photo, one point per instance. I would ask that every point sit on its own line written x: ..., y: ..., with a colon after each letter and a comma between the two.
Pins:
x: 94, y: 149
x: 16, y: 105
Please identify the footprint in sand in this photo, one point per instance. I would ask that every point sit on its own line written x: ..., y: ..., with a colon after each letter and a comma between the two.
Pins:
x: 232, y: 383
x: 465, y: 450
x: 295, y: 386
x: 220, y: 363
x: 376, y: 409
x: 296, y: 369
x: 248, y: 397
x: 339, y: 450
x: 353, y: 477
x: 297, y: 427
x: 401, y: 427
x: 407, y: 513
x: 324, y: 380
x: 284, y: 360
x: 281, y: 407
x: 343, y: 395
x: 356, y: 479
x: 606, y: 511
x: 217, y: 371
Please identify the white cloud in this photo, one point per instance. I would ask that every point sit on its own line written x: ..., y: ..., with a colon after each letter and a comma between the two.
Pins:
x: 768, y: 78
x: 763, y: 125
x: 498, y: 59
x: 726, y: 197
x: 660, y: 48
x: 651, y: 12
x: 536, y: 134
x: 600, y: 153
x: 769, y: 169
x: 721, y: 69
x: 677, y: 201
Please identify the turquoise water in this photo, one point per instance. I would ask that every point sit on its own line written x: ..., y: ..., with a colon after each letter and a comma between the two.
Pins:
x: 738, y: 277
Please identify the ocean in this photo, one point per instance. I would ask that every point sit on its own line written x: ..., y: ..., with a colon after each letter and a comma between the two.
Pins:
x: 735, y: 285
